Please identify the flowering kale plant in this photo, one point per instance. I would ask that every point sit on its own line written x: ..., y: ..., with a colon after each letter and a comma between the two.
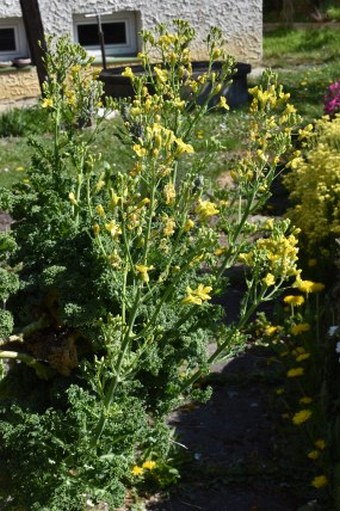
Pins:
x: 119, y: 269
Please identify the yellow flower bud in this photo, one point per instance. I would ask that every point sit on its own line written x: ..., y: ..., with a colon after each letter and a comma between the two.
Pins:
x: 72, y: 199
x: 100, y: 210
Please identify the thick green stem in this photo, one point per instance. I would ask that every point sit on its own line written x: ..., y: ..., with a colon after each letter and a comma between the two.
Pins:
x: 41, y: 370
x: 243, y: 218
x: 80, y: 183
x: 149, y: 226
x: 35, y: 326
x: 109, y: 395
x: 56, y: 140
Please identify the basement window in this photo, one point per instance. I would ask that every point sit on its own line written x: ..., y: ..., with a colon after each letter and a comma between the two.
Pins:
x: 13, y: 42
x: 120, y: 35
x: 7, y: 40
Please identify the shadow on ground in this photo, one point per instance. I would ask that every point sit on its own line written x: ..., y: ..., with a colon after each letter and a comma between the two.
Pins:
x: 232, y: 459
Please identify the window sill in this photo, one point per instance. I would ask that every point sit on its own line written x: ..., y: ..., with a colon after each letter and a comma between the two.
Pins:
x: 116, y: 60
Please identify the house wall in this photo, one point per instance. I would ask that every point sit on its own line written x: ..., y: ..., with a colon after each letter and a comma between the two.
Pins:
x: 240, y: 20
x: 9, y: 8
x: 19, y: 84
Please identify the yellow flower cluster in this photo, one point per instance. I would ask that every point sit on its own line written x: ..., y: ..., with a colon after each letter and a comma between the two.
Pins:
x: 223, y: 103
x: 301, y: 417
x: 320, y: 481
x: 169, y: 193
x: 320, y: 445
x: 300, y: 328
x: 172, y: 47
x: 295, y: 372
x: 302, y: 357
x: 308, y: 286
x: 72, y: 199
x: 170, y: 226
x: 197, y: 296
x: 313, y: 455
x: 270, y: 130
x: 78, y: 87
x: 206, y: 209
x: 47, y: 103
x: 270, y: 98
x: 143, y: 272
x: 167, y: 40
x: 138, y: 470
x: 294, y: 300
x: 271, y: 330
x: 128, y: 73
x: 276, y: 255
x: 113, y: 228
x: 305, y: 400
x: 162, y: 75
x: 189, y: 224
x: 158, y: 138
x: 269, y: 280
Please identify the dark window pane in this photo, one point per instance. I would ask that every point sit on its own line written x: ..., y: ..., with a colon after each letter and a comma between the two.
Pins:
x: 7, y: 39
x: 114, y: 33
x: 88, y: 35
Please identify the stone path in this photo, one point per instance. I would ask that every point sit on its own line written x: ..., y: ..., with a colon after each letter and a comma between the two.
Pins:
x: 232, y: 445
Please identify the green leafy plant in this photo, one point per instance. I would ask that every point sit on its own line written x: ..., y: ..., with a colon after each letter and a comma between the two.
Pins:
x: 20, y: 122
x: 119, y: 270
x: 333, y: 13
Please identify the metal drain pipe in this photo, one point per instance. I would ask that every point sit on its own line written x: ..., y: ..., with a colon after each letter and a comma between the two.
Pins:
x: 98, y: 16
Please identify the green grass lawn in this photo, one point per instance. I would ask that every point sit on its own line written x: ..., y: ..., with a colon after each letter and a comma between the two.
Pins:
x: 307, y: 61
x: 14, y: 156
x: 284, y: 47
x: 308, y: 85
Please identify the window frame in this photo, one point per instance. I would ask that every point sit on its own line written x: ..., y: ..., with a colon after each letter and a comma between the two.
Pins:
x: 21, y: 46
x: 111, y: 50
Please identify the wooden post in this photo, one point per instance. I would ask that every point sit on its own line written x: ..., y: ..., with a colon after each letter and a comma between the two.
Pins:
x: 35, y: 35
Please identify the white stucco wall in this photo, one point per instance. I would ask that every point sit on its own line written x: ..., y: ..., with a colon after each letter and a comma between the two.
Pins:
x: 9, y: 8
x: 240, y: 20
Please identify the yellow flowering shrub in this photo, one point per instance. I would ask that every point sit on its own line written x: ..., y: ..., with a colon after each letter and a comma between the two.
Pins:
x: 314, y: 185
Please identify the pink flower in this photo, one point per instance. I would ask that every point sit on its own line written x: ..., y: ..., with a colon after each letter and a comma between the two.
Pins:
x: 332, y: 99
